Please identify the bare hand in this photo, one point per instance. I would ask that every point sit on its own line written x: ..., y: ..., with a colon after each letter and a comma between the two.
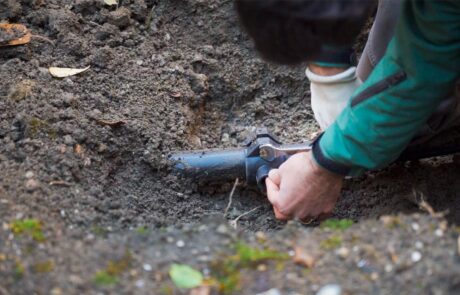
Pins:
x: 302, y: 189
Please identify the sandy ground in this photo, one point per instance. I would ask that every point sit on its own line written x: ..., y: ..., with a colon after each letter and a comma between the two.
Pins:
x: 180, y: 75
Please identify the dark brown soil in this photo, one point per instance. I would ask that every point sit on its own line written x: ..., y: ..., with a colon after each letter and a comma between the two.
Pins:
x: 180, y: 75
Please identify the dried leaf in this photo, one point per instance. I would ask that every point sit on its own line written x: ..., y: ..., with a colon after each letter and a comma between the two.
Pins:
x: 14, y: 34
x: 202, y: 290
x: 65, y: 72
x: 113, y: 124
x: 111, y: 2
x: 78, y: 149
x: 301, y: 257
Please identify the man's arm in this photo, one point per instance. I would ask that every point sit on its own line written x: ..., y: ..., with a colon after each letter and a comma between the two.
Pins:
x: 418, y: 71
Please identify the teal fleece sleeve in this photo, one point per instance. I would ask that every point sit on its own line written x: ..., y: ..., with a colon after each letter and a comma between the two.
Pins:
x: 418, y: 71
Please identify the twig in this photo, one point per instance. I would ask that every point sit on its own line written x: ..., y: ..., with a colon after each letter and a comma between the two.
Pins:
x: 230, y: 198
x: 43, y: 39
x: 425, y: 206
x: 234, y: 222
x: 59, y: 182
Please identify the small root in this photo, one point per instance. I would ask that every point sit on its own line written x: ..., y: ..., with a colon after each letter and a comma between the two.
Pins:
x: 230, y: 198
x: 425, y: 206
x: 234, y: 222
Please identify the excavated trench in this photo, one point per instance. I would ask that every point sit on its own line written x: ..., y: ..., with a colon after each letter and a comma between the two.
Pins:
x: 181, y: 75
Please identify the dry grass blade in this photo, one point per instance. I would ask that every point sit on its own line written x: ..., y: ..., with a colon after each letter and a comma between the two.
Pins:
x: 59, y: 183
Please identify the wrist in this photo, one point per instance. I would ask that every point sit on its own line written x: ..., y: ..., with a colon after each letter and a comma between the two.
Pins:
x: 326, y: 71
x: 318, y: 169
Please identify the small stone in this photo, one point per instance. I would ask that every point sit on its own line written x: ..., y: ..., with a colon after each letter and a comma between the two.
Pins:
x: 416, y: 256
x: 32, y: 185
x: 439, y: 232
x: 29, y: 174
x: 418, y: 245
x: 62, y: 213
x: 415, y: 226
x: 225, y: 138
x: 331, y: 289
x: 222, y: 229
x: 374, y: 276
x: 139, y: 284
x: 68, y: 140
x: 195, y: 140
x: 169, y: 239
x: 388, y: 268
x: 302, y: 257
x: 180, y: 244
x: 262, y: 267
x: 147, y: 267
x: 260, y: 236
x: 120, y: 17
x: 273, y: 291
x: 342, y: 252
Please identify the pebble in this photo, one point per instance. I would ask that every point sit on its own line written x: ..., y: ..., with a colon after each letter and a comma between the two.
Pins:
x: 388, y: 268
x: 343, y: 252
x: 169, y: 239
x: 416, y: 256
x: 415, y: 226
x: 331, y: 289
x: 29, y: 174
x: 68, y: 140
x: 120, y: 17
x: 439, y: 232
x: 418, y: 245
x: 147, y: 267
x: 222, y: 229
x: 273, y: 291
x: 139, y: 284
x: 32, y: 185
x: 225, y: 137
x: 180, y: 243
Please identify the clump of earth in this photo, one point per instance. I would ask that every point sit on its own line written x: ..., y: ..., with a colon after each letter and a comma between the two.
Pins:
x: 83, y: 160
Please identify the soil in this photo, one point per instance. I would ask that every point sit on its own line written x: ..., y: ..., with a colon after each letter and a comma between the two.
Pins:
x: 86, y: 156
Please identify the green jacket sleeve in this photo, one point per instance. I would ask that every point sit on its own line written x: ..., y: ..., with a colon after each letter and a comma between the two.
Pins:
x: 418, y: 71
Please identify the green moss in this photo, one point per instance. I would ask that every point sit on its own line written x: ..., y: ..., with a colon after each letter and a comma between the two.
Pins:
x: 337, y: 224
x: 109, y: 275
x: 99, y: 231
x: 117, y: 267
x: 166, y: 289
x: 30, y: 227
x: 37, y: 126
x: 332, y: 242
x: 227, y: 271
x: 248, y: 255
x: 44, y: 267
x: 102, y: 278
x: 19, y: 270
x: 142, y: 230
